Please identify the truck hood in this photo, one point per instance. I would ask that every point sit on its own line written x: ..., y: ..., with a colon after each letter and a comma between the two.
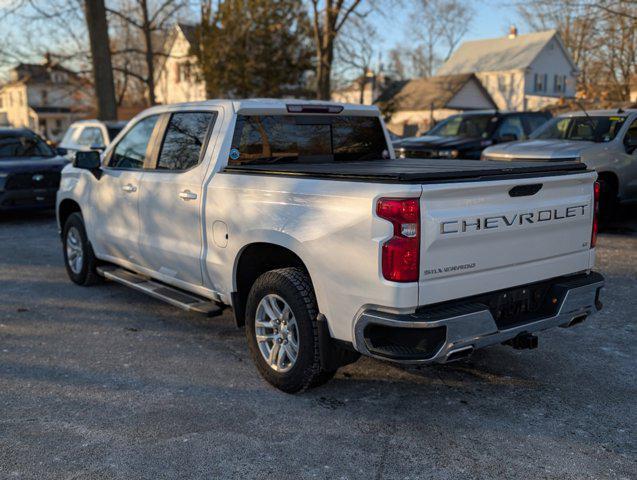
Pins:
x: 538, y: 150
x: 434, y: 141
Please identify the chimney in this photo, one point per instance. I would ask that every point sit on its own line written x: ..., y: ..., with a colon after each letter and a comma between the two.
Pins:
x: 513, y: 31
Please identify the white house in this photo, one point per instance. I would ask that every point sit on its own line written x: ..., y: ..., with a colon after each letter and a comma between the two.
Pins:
x: 520, y: 72
x: 414, y: 106
x: 46, y: 98
x: 364, y: 90
x: 179, y: 79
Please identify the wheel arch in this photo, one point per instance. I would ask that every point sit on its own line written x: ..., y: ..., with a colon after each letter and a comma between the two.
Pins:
x: 65, y: 209
x: 253, y: 260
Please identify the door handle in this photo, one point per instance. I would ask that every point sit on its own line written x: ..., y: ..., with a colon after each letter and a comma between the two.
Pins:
x: 187, y: 195
x: 129, y: 188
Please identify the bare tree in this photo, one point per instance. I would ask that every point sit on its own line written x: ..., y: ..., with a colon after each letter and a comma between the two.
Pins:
x: 356, y: 49
x: 95, y: 12
x: 439, y: 25
x: 150, y: 20
x: 328, y: 18
x: 601, y: 36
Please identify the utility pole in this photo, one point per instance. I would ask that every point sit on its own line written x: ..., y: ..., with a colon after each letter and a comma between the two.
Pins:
x: 95, y: 13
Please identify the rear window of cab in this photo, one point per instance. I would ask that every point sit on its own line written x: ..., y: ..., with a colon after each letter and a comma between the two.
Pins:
x: 266, y: 139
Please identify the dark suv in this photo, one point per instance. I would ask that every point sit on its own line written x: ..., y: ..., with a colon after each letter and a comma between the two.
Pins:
x: 465, y: 135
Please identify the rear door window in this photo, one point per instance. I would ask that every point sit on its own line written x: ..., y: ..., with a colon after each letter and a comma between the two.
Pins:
x: 262, y: 139
x: 185, y: 138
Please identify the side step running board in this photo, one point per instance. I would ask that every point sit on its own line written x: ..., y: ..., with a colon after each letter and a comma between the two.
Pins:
x: 168, y: 294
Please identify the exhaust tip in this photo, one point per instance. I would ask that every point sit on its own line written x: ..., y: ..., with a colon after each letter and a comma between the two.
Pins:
x: 459, y: 354
x: 577, y: 320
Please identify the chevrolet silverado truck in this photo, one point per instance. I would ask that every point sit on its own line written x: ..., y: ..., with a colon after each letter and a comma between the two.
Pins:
x: 298, y: 217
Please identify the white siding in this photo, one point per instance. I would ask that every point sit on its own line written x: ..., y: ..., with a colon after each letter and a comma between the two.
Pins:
x: 470, y: 96
x: 170, y: 87
x: 506, y: 88
x: 551, y: 61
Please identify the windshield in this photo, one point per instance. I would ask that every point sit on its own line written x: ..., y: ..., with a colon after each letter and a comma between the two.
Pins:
x: 474, y: 126
x: 590, y: 129
x: 260, y: 139
x: 20, y: 144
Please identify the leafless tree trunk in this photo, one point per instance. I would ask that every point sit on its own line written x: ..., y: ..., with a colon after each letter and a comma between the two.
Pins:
x: 328, y: 17
x: 95, y: 12
x: 356, y: 48
x: 150, y: 20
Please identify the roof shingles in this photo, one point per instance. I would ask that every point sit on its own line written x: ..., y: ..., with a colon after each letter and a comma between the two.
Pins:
x: 497, y: 54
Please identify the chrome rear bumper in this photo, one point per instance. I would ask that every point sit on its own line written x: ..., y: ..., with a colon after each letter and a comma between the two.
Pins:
x: 461, y: 327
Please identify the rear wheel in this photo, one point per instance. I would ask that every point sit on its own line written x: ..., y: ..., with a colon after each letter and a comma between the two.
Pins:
x: 282, y: 332
x: 79, y: 259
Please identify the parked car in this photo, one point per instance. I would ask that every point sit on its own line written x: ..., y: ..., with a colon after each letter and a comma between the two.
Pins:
x: 29, y: 170
x: 90, y: 134
x: 605, y: 140
x: 466, y: 135
x: 325, y: 246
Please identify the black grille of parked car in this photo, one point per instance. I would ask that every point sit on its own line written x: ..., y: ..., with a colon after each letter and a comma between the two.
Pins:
x: 32, y: 180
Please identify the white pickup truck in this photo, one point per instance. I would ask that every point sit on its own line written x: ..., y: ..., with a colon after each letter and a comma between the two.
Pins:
x: 298, y: 216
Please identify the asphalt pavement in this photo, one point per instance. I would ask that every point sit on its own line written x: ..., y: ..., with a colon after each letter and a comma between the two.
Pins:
x: 104, y: 382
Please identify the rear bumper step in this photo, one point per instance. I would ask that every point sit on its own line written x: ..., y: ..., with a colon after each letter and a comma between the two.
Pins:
x: 174, y: 296
x: 450, y: 332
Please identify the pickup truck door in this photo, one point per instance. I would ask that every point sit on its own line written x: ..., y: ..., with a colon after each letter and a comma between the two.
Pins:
x: 170, y: 202
x: 116, y: 194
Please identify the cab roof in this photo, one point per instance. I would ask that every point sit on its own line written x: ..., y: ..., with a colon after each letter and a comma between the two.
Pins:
x: 265, y: 105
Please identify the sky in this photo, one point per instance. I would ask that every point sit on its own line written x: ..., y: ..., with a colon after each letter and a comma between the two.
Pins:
x: 492, y: 19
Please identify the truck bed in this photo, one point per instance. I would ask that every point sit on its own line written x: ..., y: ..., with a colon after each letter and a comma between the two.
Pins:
x: 413, y: 170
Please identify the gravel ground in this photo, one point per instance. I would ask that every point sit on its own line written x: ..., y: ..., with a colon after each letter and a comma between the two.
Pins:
x: 104, y: 382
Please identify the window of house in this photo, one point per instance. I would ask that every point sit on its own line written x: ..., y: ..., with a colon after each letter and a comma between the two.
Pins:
x: 540, y: 82
x: 45, y: 97
x: 559, y: 83
x: 185, y: 139
x: 130, y: 152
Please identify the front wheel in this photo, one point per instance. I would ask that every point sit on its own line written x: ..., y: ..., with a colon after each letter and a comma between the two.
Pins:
x: 282, y: 332
x: 79, y: 259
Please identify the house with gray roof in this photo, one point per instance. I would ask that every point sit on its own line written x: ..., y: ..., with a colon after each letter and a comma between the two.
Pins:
x: 520, y: 72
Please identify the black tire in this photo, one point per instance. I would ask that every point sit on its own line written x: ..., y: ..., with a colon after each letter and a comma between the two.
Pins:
x: 294, y: 287
x: 87, y: 274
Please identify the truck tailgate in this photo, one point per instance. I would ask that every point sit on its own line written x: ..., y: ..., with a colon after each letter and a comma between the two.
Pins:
x: 484, y: 236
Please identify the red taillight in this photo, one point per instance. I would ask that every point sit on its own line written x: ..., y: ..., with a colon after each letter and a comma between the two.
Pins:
x: 596, y: 190
x: 401, y: 253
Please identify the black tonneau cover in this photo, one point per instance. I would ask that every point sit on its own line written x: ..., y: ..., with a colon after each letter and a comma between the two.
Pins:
x: 413, y: 170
